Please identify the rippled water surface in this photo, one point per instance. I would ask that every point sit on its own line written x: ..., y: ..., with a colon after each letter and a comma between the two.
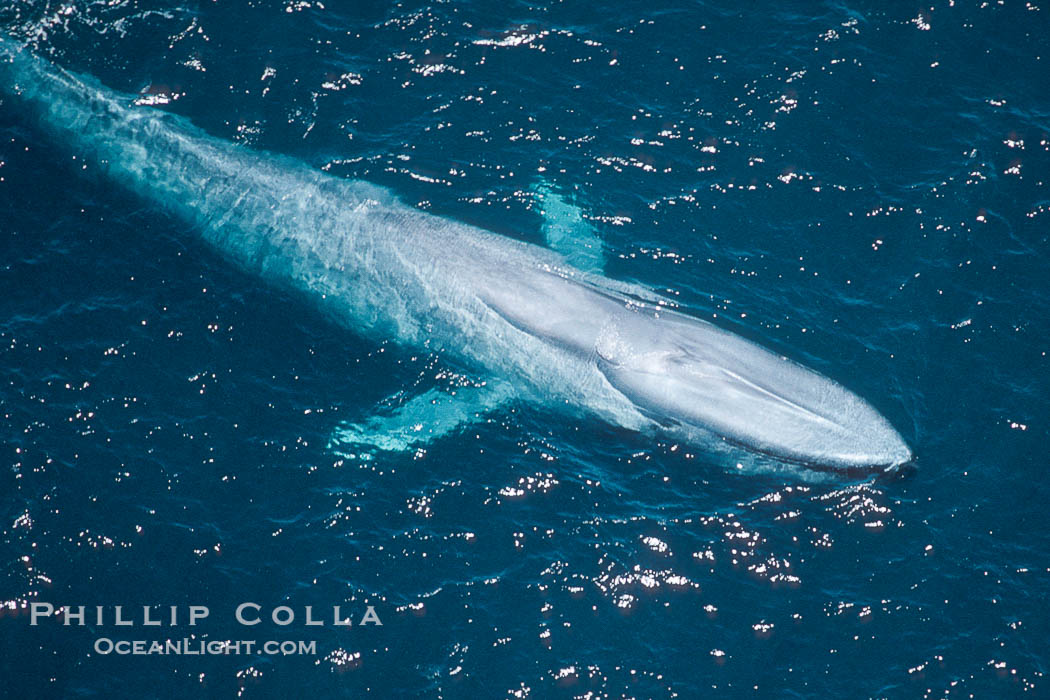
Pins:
x: 861, y: 186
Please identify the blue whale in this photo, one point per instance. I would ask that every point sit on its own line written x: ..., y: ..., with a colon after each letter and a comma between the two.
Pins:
x: 535, y: 326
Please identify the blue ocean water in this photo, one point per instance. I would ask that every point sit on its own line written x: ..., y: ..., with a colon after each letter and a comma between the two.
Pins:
x: 859, y: 186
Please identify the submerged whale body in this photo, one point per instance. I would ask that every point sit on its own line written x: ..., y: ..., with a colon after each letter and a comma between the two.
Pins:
x: 539, y: 328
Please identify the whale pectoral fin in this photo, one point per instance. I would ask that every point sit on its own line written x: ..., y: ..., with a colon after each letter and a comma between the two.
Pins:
x: 569, y: 233
x: 420, y: 420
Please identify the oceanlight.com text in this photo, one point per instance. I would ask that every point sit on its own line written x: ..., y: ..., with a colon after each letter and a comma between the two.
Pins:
x: 186, y: 646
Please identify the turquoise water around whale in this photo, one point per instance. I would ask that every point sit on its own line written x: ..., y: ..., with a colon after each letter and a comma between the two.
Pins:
x: 861, y: 187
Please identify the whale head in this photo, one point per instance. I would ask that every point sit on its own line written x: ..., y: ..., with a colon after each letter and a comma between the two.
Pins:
x: 687, y: 373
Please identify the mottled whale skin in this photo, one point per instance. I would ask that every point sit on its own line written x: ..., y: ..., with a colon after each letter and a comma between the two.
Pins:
x: 517, y: 312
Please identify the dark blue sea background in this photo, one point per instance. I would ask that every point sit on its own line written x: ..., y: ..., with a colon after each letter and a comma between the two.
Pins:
x: 859, y: 185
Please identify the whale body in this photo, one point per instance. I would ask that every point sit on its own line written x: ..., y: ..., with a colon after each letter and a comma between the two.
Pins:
x: 515, y: 311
